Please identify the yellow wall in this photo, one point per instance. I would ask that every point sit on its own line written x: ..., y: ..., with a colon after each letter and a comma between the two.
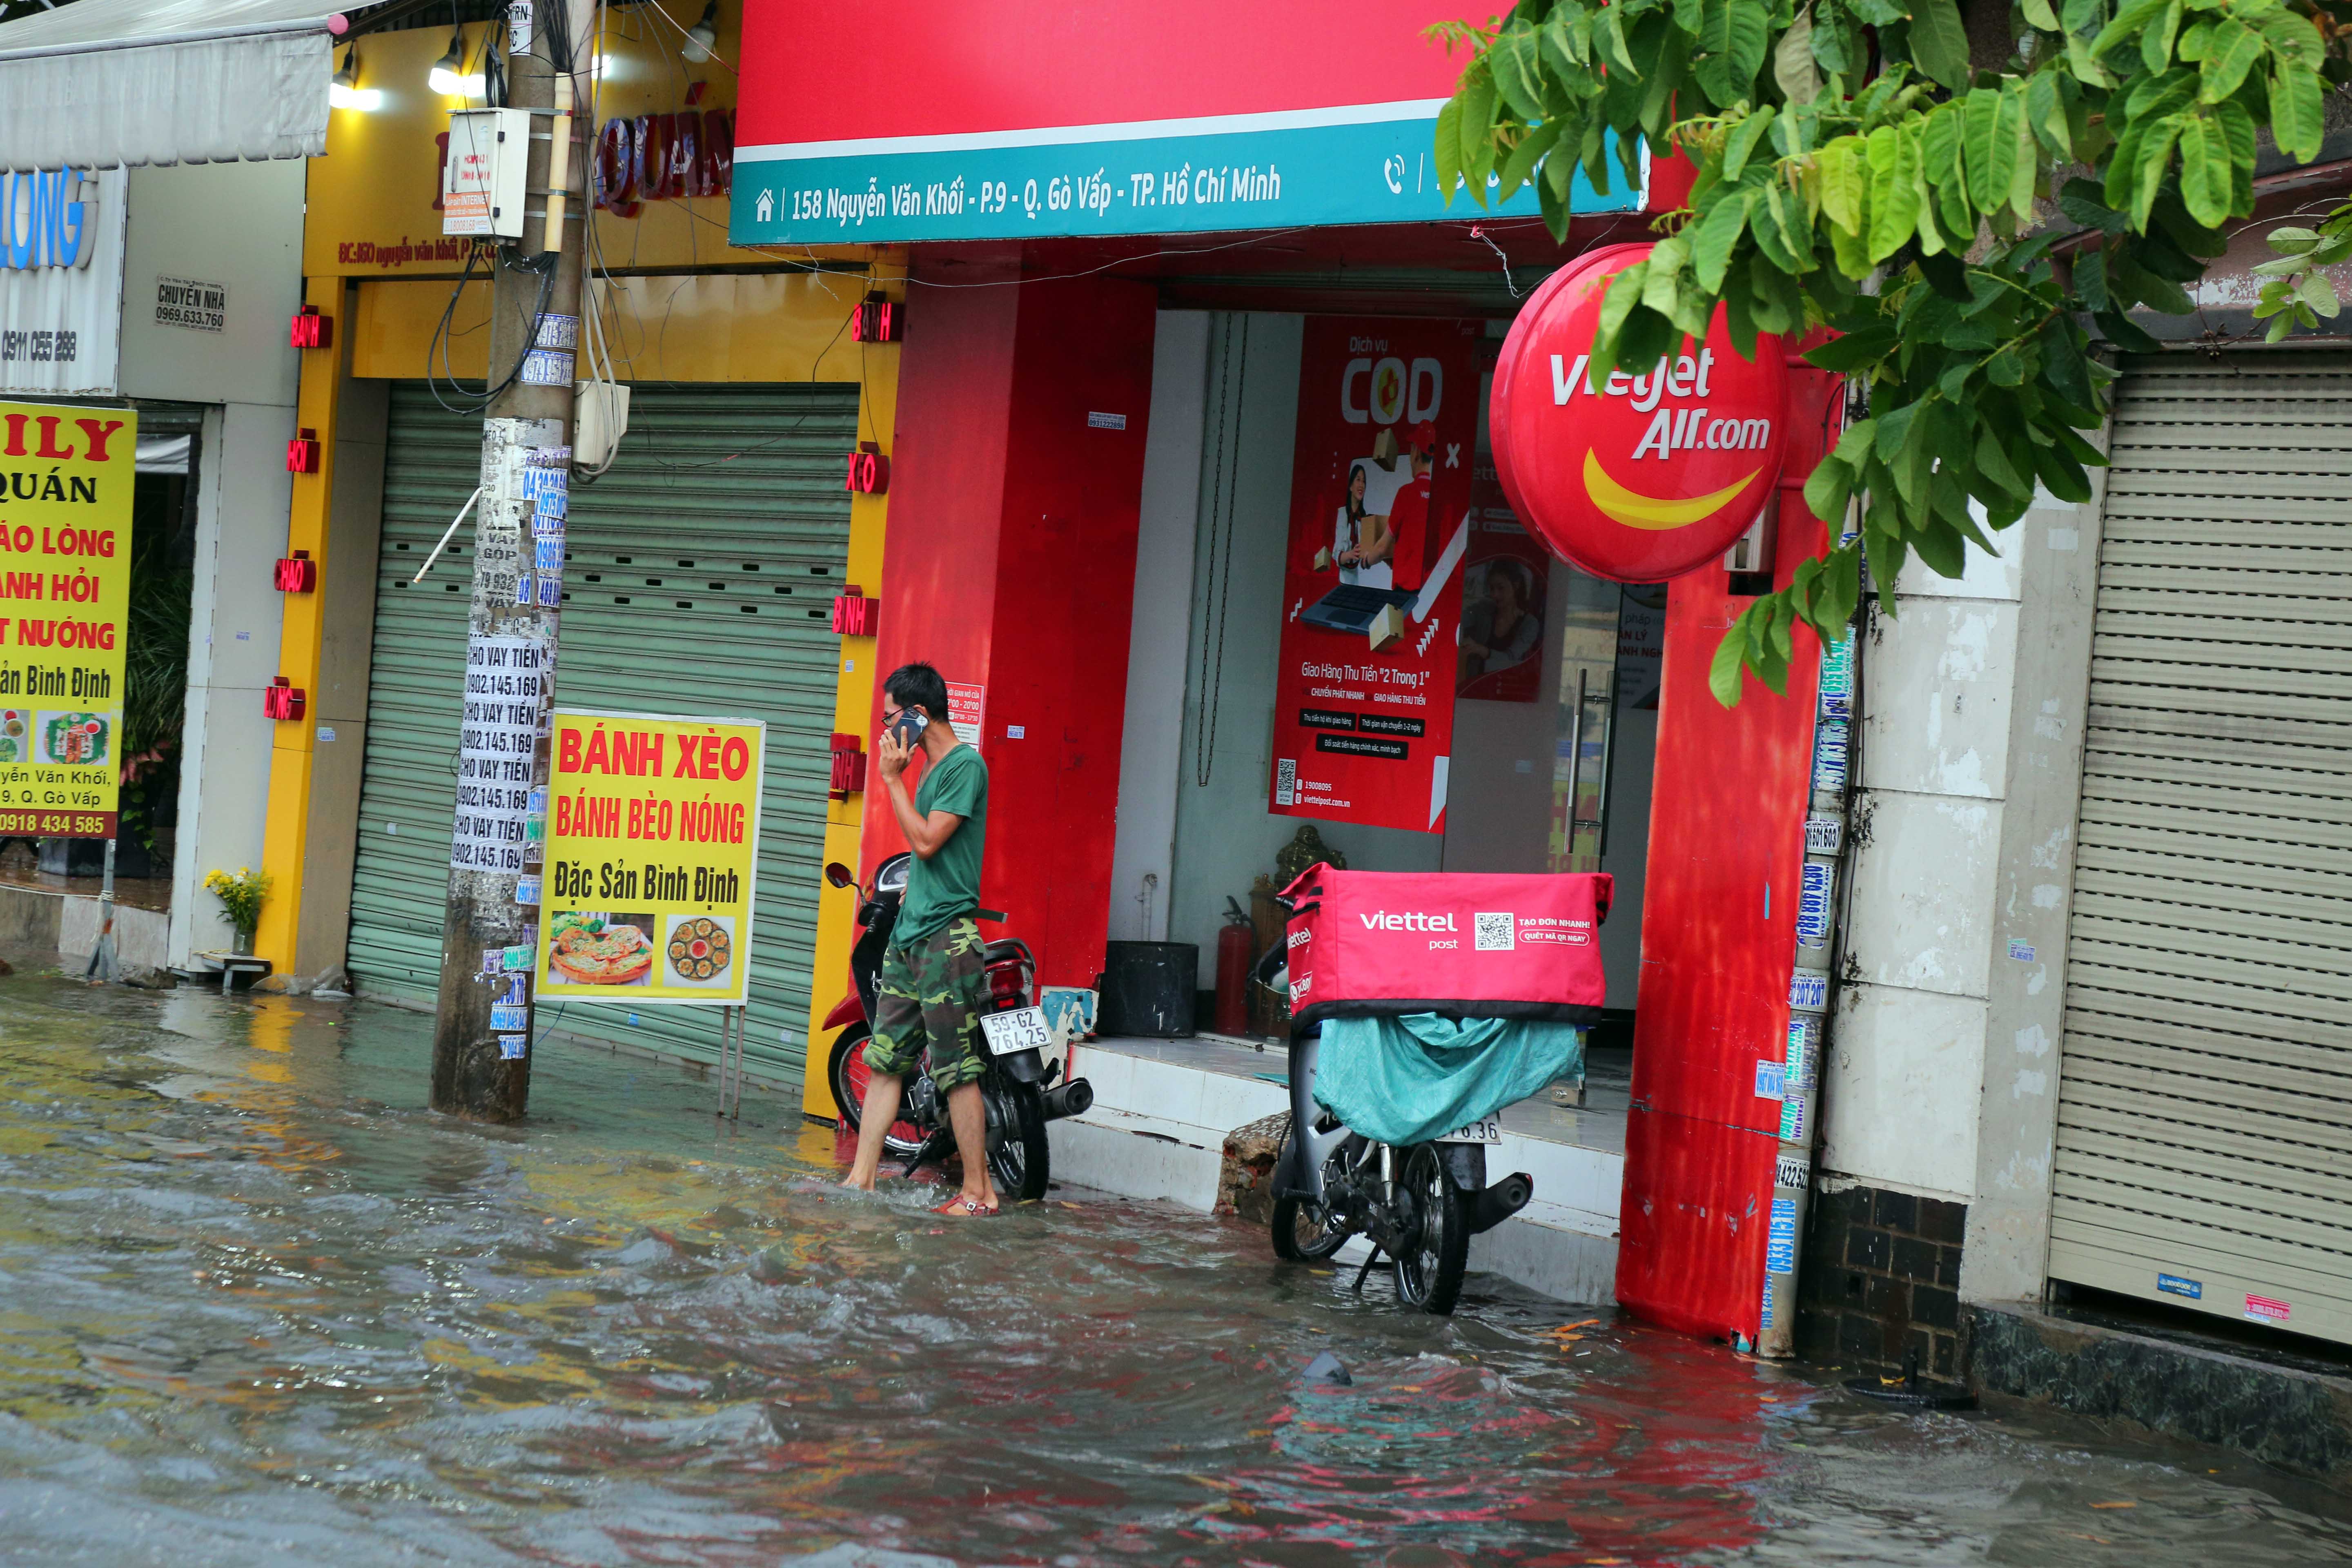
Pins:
x: 371, y: 201
x: 370, y: 219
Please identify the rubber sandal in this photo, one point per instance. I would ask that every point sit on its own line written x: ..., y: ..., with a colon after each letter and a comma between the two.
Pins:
x: 967, y: 1208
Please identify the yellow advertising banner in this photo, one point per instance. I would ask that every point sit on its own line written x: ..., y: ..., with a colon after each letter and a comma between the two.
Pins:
x: 65, y: 481
x: 653, y: 836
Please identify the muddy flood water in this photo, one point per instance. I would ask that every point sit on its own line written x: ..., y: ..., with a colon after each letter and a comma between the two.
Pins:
x: 258, y: 1308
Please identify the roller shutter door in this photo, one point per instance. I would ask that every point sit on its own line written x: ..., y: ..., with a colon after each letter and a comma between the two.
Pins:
x: 2204, y: 1146
x: 699, y: 579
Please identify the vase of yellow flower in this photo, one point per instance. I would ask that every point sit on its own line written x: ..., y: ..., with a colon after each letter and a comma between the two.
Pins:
x: 240, y: 893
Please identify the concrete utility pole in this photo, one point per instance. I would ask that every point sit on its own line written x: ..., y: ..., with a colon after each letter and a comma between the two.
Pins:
x: 482, y: 1025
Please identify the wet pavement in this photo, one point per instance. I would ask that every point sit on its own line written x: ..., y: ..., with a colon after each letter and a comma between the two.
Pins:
x: 257, y: 1308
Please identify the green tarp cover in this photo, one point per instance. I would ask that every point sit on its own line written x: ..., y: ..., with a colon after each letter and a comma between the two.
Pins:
x: 1408, y: 1080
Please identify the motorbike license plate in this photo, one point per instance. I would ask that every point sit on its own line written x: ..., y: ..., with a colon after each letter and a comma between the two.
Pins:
x: 1490, y: 1130
x: 1022, y: 1029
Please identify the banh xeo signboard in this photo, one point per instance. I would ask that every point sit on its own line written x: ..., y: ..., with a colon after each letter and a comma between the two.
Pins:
x: 1033, y: 119
x: 653, y: 834
x: 66, y: 480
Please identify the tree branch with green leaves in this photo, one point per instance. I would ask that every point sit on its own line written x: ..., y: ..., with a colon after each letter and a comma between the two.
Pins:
x: 1963, y: 231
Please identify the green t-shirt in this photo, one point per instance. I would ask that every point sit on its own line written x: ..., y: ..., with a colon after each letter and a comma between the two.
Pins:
x: 947, y: 886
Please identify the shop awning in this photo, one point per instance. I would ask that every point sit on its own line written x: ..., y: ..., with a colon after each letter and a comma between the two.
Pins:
x: 103, y: 83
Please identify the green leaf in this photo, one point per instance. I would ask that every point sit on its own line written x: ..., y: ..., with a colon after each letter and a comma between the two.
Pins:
x: 2011, y: 129
x: 1625, y: 293
x: 2295, y: 114
x: 1984, y: 152
x: 1732, y: 37
x: 2156, y: 42
x: 2124, y: 333
x: 1851, y: 351
x: 2091, y: 278
x: 1516, y: 59
x: 1741, y: 143
x: 1716, y: 236
x: 1894, y: 428
x: 2060, y: 475
x: 1893, y: 189
x: 1566, y: 39
x: 2154, y: 158
x: 1940, y: 546
x: 2318, y: 293
x: 1520, y: 166
x: 2083, y: 64
x: 1477, y: 128
x: 1993, y: 465
x: 1776, y: 236
x: 1939, y: 43
x: 1724, y: 670
x: 2293, y: 38
x: 2235, y: 49
x: 2063, y: 362
x: 1792, y: 61
x: 2047, y: 115
x: 1828, y: 488
x: 1559, y: 167
x: 2205, y: 170
x: 2128, y: 23
x: 2038, y: 13
x: 1448, y: 150
x: 1842, y: 182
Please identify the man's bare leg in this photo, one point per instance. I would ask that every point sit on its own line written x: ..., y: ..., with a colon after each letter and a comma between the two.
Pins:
x: 968, y: 1116
x: 882, y: 1092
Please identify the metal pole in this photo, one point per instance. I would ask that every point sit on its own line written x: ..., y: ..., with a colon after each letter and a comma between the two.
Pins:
x: 482, y: 1025
x: 102, y: 966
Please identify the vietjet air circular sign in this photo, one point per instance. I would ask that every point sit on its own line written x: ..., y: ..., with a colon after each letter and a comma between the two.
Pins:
x: 1651, y: 475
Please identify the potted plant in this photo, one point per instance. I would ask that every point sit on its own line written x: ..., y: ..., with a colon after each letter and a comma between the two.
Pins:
x: 240, y: 893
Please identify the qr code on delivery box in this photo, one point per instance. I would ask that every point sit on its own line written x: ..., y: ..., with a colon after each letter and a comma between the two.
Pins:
x: 1497, y: 933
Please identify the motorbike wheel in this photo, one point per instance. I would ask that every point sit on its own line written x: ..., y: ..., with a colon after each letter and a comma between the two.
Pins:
x: 1018, y: 1157
x: 1305, y: 1231
x: 847, y: 1073
x: 1429, y: 1274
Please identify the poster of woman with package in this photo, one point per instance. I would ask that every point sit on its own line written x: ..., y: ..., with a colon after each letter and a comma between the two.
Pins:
x: 1373, y: 576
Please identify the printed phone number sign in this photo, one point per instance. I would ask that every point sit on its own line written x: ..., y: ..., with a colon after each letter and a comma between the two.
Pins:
x: 651, y: 844
x: 65, y: 481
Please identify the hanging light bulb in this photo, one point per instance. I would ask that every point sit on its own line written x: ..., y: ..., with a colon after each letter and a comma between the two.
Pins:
x: 702, y: 39
x: 345, y: 91
x: 450, y: 76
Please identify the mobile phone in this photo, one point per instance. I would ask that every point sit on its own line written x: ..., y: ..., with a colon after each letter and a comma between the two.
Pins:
x: 909, y: 726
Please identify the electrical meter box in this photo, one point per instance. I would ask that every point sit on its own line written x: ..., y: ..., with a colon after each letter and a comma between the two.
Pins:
x: 482, y: 182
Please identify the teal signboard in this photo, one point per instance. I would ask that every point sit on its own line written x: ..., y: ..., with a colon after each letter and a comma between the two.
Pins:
x: 1293, y: 169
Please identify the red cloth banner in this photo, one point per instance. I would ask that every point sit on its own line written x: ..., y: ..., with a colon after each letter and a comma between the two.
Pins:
x: 1380, y: 498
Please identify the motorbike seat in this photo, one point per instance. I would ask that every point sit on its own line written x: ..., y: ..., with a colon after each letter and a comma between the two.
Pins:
x: 1005, y: 948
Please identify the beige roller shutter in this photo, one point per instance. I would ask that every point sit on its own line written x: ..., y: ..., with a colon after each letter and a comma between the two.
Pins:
x: 2204, y: 1148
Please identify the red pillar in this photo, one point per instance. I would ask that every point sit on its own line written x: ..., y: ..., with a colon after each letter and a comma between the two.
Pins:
x: 1016, y: 478
x: 1718, y: 944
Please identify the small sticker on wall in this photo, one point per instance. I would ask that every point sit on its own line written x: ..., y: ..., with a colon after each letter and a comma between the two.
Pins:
x: 1780, y: 1242
x: 1790, y: 1172
x: 2262, y: 1310
x: 513, y: 1048
x: 326, y: 731
x: 1105, y: 421
x: 2021, y: 951
x: 1016, y: 732
x: 2174, y: 1285
x: 1770, y: 1078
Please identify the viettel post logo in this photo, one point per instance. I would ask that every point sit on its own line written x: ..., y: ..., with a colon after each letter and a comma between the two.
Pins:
x: 1648, y: 475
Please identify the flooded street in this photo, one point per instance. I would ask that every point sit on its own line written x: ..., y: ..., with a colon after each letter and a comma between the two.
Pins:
x: 257, y: 1308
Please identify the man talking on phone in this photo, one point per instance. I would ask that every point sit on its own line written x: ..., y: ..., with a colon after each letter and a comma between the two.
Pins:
x: 934, y: 983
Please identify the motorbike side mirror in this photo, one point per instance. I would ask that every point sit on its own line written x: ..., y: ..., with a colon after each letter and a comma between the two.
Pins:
x: 840, y: 876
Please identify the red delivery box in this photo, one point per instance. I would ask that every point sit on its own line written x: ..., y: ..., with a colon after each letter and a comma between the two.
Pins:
x: 1363, y: 943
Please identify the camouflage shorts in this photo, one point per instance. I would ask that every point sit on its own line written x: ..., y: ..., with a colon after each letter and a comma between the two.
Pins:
x: 929, y: 997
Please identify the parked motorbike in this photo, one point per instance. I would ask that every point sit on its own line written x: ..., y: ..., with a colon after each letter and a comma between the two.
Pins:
x: 1419, y: 1204
x: 1017, y: 1087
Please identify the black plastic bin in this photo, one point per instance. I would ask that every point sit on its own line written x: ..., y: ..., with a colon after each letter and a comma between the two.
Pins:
x: 1149, y: 988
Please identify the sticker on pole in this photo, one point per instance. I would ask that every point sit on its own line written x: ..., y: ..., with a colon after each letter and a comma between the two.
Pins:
x: 1646, y: 476
x: 653, y: 837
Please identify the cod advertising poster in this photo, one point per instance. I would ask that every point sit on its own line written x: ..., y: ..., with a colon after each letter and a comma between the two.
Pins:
x: 1380, y: 498
x: 65, y: 479
x: 653, y: 835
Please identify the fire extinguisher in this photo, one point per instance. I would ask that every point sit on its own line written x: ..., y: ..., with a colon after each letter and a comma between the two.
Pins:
x: 1235, y: 956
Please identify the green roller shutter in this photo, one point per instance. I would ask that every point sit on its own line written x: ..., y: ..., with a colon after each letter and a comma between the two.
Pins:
x: 699, y: 579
